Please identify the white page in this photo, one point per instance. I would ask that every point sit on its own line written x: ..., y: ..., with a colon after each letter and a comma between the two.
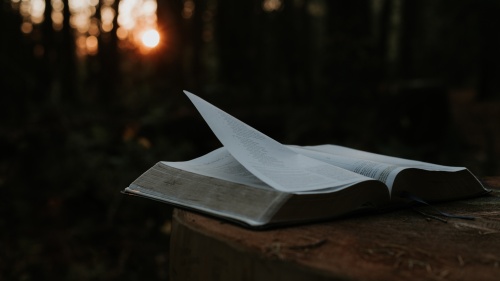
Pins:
x: 383, y: 172
x: 377, y: 166
x: 219, y: 164
x: 406, y: 163
x: 273, y: 163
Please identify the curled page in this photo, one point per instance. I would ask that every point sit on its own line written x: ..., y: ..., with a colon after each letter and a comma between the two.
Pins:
x: 219, y: 164
x: 275, y: 164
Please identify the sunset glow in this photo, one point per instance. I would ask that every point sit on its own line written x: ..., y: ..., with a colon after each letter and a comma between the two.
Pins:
x: 137, y: 24
x: 150, y: 38
x: 136, y: 29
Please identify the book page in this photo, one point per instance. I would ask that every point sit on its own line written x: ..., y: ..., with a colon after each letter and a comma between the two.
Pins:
x: 222, y: 165
x: 354, y: 153
x: 270, y: 161
x: 376, y: 166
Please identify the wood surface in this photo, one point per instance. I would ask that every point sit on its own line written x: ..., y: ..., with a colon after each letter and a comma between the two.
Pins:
x: 398, y: 245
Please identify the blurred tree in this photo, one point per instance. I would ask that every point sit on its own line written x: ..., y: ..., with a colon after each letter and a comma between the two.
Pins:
x: 489, y: 44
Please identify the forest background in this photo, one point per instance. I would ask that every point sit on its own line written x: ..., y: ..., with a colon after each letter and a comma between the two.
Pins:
x: 84, y: 109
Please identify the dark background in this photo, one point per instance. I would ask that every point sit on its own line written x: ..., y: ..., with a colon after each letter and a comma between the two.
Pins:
x: 415, y: 79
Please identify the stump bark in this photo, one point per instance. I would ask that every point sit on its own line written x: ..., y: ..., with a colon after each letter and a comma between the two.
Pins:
x: 400, y: 245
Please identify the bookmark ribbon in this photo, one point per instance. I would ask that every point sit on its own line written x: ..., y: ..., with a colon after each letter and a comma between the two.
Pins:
x: 420, y: 201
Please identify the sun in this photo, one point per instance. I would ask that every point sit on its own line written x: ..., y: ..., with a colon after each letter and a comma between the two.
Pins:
x: 150, y: 38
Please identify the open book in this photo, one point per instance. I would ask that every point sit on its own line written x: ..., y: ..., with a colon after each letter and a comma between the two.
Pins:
x: 257, y: 181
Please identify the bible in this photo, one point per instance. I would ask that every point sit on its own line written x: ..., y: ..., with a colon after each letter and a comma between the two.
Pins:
x: 258, y: 182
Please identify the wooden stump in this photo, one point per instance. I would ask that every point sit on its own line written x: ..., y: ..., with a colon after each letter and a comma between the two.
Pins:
x: 400, y: 245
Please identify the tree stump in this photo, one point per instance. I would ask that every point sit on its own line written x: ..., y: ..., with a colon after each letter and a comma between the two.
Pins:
x: 399, y: 245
